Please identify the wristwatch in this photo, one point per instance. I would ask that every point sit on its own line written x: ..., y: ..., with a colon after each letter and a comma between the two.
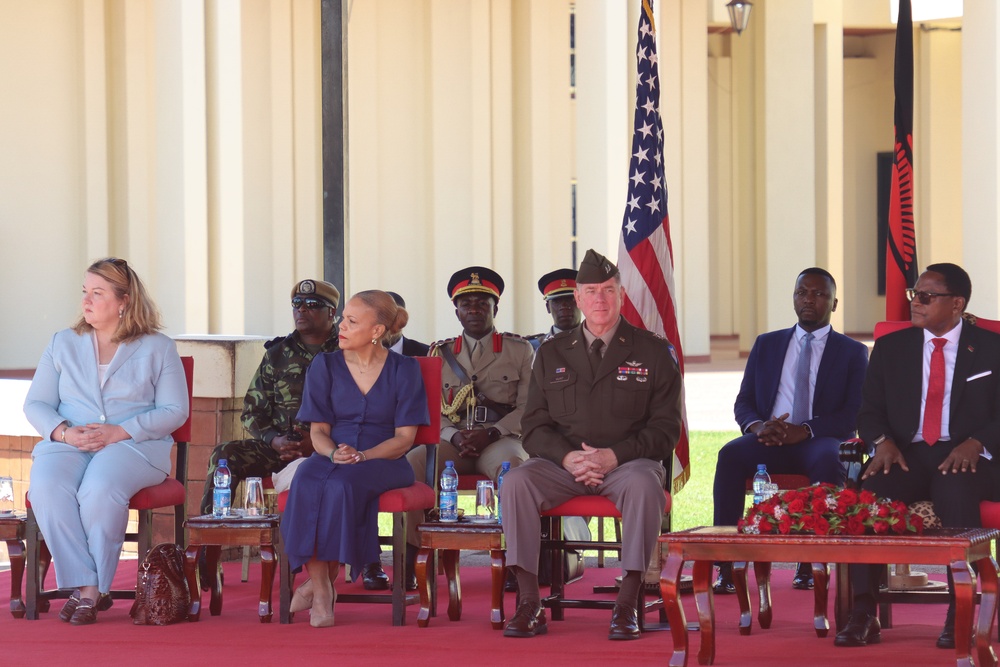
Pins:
x: 494, y: 434
x: 879, y: 440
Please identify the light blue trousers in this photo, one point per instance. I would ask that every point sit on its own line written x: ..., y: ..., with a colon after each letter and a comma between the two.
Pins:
x: 81, y: 502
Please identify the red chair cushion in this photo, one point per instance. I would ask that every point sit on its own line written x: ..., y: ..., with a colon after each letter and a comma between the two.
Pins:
x: 468, y: 482
x: 989, y: 513
x: 591, y: 506
x: 167, y: 493
x: 417, y: 496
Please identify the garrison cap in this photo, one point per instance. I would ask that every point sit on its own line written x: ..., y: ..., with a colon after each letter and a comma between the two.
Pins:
x: 475, y: 279
x: 555, y: 284
x: 595, y: 268
x: 318, y: 289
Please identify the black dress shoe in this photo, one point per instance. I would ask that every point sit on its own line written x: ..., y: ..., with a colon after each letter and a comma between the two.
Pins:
x: 947, y: 637
x: 528, y: 621
x: 410, y: 571
x: 624, y: 622
x: 373, y: 577
x: 861, y: 629
x: 803, y: 579
x: 724, y: 584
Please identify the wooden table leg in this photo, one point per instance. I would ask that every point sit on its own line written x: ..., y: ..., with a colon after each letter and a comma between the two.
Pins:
x: 670, y: 590
x: 987, y: 612
x: 964, y: 587
x: 499, y: 572
x: 742, y: 596
x: 423, y: 616
x: 15, y: 549
x: 705, y: 604
x: 194, y: 587
x: 267, y: 561
x: 451, y: 573
x: 212, y: 553
x: 762, y: 572
x: 821, y: 576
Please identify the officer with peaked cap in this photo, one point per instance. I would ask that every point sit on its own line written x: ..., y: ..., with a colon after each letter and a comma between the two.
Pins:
x: 557, y: 290
x: 604, y: 409
x: 484, y: 383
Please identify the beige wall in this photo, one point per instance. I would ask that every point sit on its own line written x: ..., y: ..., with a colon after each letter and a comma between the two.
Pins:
x: 185, y: 136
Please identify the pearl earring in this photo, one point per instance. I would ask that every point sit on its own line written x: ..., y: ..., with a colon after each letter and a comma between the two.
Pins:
x: 121, y: 313
x: 374, y: 341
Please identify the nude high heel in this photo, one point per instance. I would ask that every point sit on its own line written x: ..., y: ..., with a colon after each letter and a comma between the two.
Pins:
x: 302, y: 599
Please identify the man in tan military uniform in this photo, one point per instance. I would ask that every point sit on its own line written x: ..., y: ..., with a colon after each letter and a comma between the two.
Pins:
x: 558, y: 288
x: 604, y: 409
x: 484, y: 382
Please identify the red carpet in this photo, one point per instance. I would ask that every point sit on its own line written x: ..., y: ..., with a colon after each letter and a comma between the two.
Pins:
x: 364, y: 634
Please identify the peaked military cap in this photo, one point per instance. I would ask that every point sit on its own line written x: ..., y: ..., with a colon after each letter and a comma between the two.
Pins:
x: 318, y: 289
x: 555, y: 284
x: 595, y: 268
x: 475, y: 279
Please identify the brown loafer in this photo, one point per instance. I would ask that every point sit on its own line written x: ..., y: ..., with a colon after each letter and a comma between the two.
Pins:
x: 528, y: 621
x: 85, y: 614
x: 624, y: 622
x: 104, y: 603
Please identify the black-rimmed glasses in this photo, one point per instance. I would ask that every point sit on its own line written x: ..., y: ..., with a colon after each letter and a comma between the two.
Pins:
x: 924, y: 297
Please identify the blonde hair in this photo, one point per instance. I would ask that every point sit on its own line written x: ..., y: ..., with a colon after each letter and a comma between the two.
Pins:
x: 140, y: 316
x: 387, y: 313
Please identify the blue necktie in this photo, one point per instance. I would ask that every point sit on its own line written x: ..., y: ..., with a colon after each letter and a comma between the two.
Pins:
x: 800, y: 403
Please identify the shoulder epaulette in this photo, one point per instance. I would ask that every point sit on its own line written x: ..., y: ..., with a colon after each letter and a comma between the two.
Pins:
x: 274, y: 341
x: 439, y: 343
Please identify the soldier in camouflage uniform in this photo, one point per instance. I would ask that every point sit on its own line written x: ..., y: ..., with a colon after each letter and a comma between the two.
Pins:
x: 273, y: 399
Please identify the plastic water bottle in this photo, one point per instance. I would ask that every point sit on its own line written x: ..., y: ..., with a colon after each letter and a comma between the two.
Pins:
x: 448, y: 506
x: 761, y: 480
x: 504, y: 469
x: 222, y: 497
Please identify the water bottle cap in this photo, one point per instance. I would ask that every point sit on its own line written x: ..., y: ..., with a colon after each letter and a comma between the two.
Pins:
x: 449, y: 464
x: 222, y: 462
x: 761, y: 467
x: 505, y: 465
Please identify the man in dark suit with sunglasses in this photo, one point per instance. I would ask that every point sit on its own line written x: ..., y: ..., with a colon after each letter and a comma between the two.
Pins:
x: 931, y: 411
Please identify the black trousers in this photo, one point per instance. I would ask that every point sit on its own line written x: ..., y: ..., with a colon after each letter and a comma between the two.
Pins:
x: 956, y: 498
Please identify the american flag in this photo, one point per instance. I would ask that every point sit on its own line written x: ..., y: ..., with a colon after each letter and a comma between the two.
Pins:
x: 645, y: 255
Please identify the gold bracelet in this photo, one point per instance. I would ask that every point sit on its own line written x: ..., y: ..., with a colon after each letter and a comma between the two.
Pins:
x: 62, y: 436
x: 364, y: 457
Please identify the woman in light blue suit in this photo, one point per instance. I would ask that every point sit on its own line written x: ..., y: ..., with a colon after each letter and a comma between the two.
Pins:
x: 105, y: 398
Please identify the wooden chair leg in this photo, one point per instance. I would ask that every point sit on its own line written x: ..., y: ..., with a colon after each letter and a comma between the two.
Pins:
x: 398, y: 568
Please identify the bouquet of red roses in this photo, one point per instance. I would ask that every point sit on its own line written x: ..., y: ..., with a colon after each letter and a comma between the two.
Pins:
x: 825, y: 509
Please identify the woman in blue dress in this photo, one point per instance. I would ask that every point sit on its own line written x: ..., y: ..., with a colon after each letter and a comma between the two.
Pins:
x: 364, y: 403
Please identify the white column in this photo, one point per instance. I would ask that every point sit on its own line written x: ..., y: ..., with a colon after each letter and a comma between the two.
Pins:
x: 95, y: 127
x: 604, y: 105
x: 981, y: 152
x: 829, y: 73
x: 226, y: 218
x: 786, y: 160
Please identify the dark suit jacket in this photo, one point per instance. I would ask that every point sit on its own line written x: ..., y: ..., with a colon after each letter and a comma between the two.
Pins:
x: 893, y: 387
x: 633, y: 405
x: 414, y: 348
x: 838, y: 383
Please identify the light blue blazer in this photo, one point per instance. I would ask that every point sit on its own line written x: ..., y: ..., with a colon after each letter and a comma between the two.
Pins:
x: 144, y: 392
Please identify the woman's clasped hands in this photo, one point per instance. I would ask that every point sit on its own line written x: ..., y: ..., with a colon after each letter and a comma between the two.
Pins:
x: 94, y: 437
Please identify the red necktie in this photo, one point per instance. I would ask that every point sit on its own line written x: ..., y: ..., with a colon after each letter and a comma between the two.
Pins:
x: 935, y: 394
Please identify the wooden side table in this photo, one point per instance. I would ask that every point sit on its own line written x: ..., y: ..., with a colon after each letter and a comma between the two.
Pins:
x: 213, y: 534
x: 450, y: 539
x: 12, y: 532
x: 955, y: 548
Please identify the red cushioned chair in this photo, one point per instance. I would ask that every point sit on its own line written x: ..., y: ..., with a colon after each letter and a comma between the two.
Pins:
x: 585, y: 506
x: 989, y: 511
x: 168, y: 493
x: 418, y: 496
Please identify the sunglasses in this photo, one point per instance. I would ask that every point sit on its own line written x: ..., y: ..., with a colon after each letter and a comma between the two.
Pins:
x: 309, y: 303
x: 924, y: 297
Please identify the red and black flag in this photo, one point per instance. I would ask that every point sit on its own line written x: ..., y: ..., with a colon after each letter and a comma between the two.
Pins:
x: 901, y: 244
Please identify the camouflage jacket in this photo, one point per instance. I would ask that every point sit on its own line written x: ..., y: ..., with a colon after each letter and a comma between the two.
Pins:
x: 275, y: 393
